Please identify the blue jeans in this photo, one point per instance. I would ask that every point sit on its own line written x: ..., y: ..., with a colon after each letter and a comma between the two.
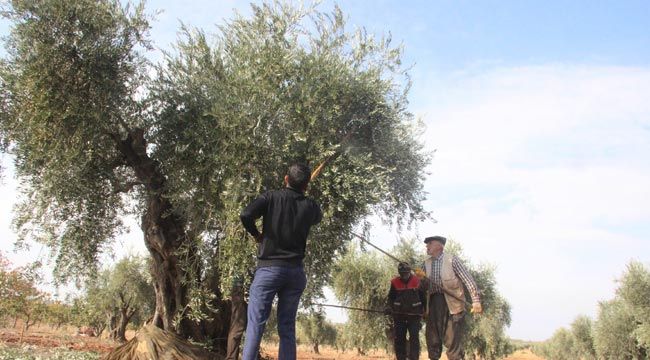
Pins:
x: 288, y: 283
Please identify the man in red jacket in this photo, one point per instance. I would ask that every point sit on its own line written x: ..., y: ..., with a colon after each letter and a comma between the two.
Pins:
x: 406, y: 300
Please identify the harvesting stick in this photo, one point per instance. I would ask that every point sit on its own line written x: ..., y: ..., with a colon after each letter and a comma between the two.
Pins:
x: 366, y: 310
x: 376, y: 247
x: 336, y: 153
x: 418, y: 272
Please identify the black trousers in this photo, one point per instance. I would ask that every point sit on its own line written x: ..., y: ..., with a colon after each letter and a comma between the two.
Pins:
x: 411, y: 326
x: 444, y: 328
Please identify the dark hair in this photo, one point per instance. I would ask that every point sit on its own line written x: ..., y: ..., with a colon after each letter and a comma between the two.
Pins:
x: 299, y: 176
x: 403, y: 267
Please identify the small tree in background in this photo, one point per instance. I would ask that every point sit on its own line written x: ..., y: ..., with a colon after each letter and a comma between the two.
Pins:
x: 315, y: 329
x: 582, y: 330
x: 128, y: 295
x: 133, y: 295
x: 118, y: 296
x: 58, y: 313
x: 560, y: 346
x: 361, y: 280
x: 635, y: 292
x: 19, y: 296
x: 85, y: 312
x: 614, y: 332
x: 6, y: 306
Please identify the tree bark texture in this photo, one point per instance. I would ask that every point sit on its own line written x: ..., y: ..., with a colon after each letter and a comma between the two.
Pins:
x: 118, y: 333
x: 164, y: 233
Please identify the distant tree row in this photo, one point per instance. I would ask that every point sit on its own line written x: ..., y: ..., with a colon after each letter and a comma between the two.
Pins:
x: 621, y: 330
x: 117, y: 297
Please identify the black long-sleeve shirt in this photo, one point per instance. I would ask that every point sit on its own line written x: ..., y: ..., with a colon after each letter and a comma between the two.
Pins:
x: 287, y: 217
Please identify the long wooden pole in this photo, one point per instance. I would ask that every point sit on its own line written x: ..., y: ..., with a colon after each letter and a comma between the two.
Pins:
x: 367, y: 310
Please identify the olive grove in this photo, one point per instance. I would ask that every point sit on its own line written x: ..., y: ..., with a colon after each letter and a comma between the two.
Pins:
x: 618, y: 332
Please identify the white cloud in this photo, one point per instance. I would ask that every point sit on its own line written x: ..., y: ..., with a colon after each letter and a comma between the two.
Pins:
x: 543, y: 171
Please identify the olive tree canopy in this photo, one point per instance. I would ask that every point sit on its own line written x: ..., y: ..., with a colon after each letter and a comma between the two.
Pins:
x: 97, y: 133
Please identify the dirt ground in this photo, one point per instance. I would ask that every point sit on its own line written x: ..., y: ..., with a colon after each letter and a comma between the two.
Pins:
x: 326, y: 353
x: 47, y: 337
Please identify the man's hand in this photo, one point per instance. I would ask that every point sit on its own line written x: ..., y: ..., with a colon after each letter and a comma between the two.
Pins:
x: 420, y: 273
x: 477, y: 308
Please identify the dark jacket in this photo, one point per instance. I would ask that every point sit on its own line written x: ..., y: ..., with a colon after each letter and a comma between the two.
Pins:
x: 287, y: 217
x: 406, y: 297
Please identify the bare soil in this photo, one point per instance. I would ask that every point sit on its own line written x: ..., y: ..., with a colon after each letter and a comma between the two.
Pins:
x: 65, y: 337
x: 47, y: 337
x: 327, y: 353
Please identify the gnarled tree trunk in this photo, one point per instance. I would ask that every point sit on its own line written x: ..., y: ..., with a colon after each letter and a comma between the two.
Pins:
x: 118, y: 333
x: 163, y: 229
x: 164, y: 233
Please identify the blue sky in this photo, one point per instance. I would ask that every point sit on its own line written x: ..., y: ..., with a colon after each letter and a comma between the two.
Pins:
x: 452, y: 35
x: 539, y: 115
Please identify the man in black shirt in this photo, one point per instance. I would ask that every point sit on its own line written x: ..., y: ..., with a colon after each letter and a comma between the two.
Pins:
x: 287, y: 217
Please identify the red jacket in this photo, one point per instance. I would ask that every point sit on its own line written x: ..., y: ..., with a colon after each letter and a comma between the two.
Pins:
x: 399, y: 285
x: 406, y: 297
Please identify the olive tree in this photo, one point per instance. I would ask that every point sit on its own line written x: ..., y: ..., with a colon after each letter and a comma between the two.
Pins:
x: 128, y: 295
x: 96, y: 134
x: 582, y: 330
x: 577, y: 342
x: 614, y: 332
x: 361, y: 280
x: 634, y: 290
x: 118, y: 296
x: 619, y: 331
x: 561, y: 346
x: 316, y: 330
x: 58, y: 313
